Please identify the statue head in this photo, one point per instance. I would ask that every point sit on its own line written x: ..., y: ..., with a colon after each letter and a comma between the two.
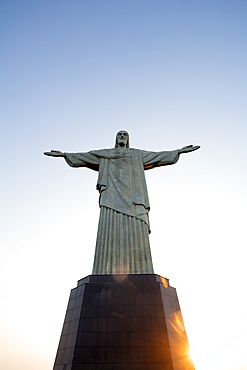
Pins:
x: 122, y: 139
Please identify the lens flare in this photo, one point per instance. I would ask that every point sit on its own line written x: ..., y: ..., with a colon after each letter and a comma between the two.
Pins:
x: 164, y: 282
x: 121, y: 272
x: 176, y: 321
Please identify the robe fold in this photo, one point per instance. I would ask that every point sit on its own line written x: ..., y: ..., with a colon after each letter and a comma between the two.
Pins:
x: 122, y: 244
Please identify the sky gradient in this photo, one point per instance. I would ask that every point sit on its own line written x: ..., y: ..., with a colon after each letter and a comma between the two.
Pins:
x: 171, y: 73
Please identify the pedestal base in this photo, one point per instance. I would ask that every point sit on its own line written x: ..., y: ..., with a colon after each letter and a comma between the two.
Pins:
x: 119, y: 322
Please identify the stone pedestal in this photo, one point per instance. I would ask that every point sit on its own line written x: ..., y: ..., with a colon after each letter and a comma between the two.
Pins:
x: 119, y: 322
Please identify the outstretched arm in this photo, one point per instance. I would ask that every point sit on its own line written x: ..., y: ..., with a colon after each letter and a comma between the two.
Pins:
x: 88, y: 159
x: 188, y: 149
x: 55, y: 153
x: 157, y: 159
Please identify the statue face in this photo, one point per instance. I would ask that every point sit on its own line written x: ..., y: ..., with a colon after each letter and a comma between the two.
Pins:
x: 122, y: 138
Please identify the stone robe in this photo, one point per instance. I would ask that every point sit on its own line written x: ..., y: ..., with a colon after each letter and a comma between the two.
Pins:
x: 122, y: 244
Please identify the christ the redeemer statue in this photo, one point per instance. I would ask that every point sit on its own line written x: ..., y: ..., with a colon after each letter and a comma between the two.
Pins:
x: 122, y: 244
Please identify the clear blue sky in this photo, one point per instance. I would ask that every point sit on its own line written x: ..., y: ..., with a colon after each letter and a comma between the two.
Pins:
x: 172, y: 73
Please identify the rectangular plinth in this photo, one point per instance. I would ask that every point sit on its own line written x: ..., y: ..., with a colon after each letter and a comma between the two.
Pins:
x: 119, y: 322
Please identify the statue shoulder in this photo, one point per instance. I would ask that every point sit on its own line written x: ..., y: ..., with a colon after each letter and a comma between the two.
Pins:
x: 139, y: 152
x: 136, y: 151
x: 102, y: 152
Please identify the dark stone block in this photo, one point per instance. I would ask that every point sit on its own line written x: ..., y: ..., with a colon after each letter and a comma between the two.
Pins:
x: 131, y: 298
x: 142, y: 298
x: 121, y: 338
x: 137, y: 338
x: 147, y: 354
x: 88, y: 338
x: 155, y: 298
x: 81, y: 354
x: 84, y: 367
x: 130, y: 354
x: 135, y: 311
x: 92, y: 311
x: 115, y: 324
x: 162, y: 353
x: 159, y: 324
x: 105, y: 367
x: 100, y: 324
x: 114, y: 354
x: 145, y: 324
x: 123, y: 323
x: 156, y: 338
x: 161, y: 366
x: 129, y: 324
x: 150, y: 310
x: 97, y: 355
x: 104, y: 311
x: 85, y: 324
x: 160, y: 310
x: 141, y: 366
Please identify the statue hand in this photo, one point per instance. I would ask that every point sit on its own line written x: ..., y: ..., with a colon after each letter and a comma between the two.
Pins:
x: 54, y: 153
x: 188, y: 148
